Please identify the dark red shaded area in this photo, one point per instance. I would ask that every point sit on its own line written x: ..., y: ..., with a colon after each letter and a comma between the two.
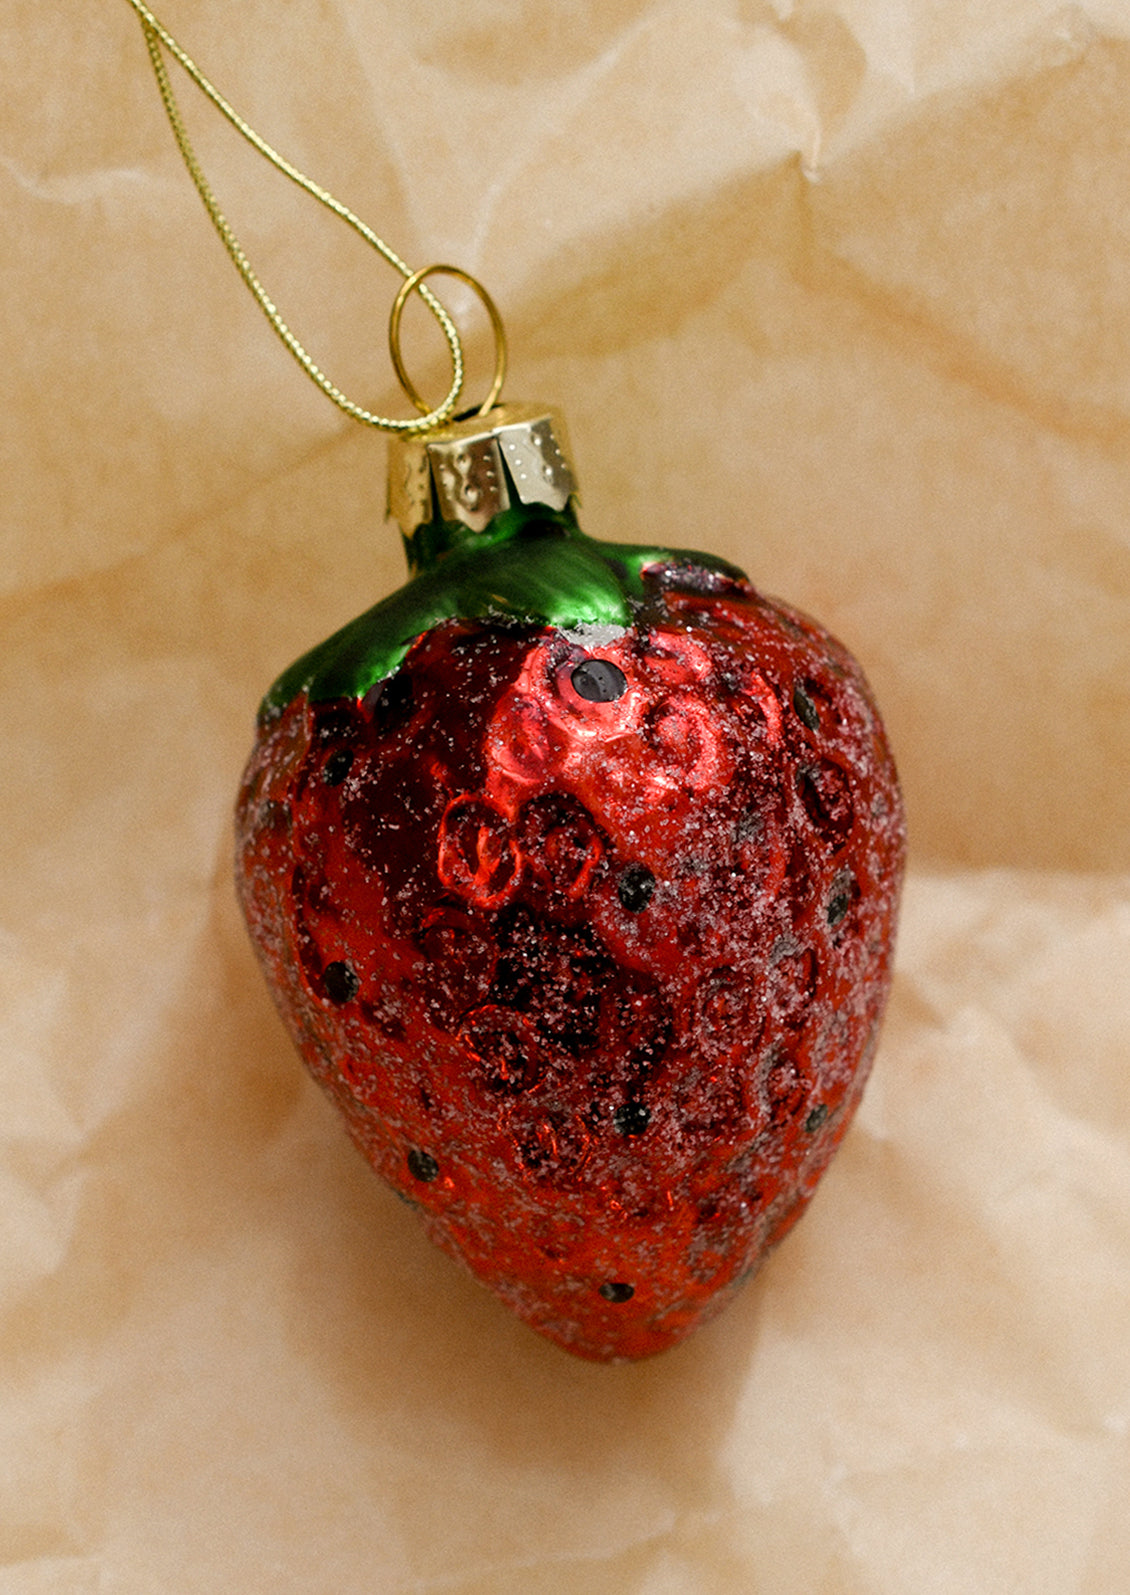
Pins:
x: 594, y: 979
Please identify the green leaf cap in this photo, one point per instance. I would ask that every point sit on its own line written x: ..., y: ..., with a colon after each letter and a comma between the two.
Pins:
x: 527, y: 562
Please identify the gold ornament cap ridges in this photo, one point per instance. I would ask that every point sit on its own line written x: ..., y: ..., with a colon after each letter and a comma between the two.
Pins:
x: 471, y: 470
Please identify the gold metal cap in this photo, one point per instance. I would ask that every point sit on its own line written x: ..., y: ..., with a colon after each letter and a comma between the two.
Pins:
x: 472, y: 470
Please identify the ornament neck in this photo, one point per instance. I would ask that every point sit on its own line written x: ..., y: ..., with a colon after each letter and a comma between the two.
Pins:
x: 430, y: 545
x: 481, y: 481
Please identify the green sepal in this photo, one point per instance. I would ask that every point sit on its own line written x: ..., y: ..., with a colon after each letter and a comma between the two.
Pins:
x: 531, y: 566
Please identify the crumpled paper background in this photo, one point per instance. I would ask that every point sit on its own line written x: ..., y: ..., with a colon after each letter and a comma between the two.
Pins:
x: 839, y: 290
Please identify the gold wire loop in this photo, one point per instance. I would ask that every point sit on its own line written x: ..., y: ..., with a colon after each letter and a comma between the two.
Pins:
x: 409, y: 287
x: 157, y: 37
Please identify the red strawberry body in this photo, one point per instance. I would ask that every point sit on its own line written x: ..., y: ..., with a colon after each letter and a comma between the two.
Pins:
x: 587, y: 932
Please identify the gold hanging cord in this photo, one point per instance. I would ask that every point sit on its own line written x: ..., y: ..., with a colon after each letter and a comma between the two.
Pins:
x: 489, y: 305
x: 156, y: 36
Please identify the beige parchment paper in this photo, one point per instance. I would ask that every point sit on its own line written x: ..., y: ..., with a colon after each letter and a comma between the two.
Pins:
x: 840, y: 290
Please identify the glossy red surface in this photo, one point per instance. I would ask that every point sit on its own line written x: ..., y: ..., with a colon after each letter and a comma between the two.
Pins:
x: 596, y: 984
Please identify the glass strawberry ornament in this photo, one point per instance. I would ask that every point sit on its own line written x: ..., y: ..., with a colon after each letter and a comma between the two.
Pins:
x: 574, y: 868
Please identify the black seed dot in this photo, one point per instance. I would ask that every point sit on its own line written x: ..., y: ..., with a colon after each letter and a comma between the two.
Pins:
x: 422, y: 1165
x: 337, y: 766
x: 341, y: 984
x: 816, y: 1118
x: 632, y: 1119
x: 599, y: 681
x: 805, y: 708
x: 840, y: 900
x: 635, y: 887
x: 616, y: 1290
